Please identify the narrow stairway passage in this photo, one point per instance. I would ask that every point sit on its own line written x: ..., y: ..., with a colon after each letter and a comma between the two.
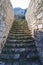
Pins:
x: 20, y: 48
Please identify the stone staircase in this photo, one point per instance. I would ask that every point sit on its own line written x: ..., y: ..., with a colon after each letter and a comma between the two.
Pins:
x: 20, y: 48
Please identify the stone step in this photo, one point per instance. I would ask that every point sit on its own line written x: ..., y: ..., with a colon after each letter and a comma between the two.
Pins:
x: 33, y: 56
x: 14, y: 25
x: 24, y: 30
x: 31, y: 46
x: 18, y: 45
x: 19, y: 32
x: 2, y: 63
x: 26, y: 37
x: 18, y: 50
x: 9, y: 57
x: 20, y: 37
x: 20, y: 24
x: 20, y: 27
x: 28, y: 43
x: 19, y: 41
x: 23, y: 62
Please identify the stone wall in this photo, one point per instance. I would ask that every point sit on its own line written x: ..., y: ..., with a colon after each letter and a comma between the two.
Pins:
x: 6, y: 20
x: 34, y: 17
x: 34, y: 14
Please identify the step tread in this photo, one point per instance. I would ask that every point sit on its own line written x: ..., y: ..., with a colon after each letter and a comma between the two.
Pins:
x: 19, y: 45
x: 20, y: 40
x: 17, y: 56
x: 16, y: 50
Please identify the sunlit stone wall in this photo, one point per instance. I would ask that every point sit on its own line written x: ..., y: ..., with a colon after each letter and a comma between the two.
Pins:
x: 6, y: 20
x: 34, y: 17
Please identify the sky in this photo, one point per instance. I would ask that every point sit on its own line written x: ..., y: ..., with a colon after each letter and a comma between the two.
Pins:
x: 20, y: 3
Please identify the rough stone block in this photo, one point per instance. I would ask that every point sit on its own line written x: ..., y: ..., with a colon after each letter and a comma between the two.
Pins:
x: 16, y: 56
